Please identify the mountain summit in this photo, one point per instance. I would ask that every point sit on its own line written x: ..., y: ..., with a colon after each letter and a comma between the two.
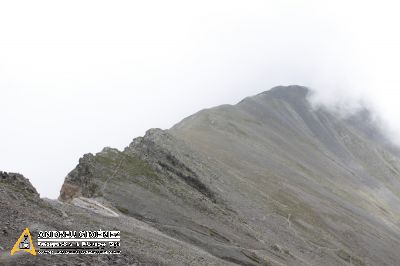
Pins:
x: 268, y: 181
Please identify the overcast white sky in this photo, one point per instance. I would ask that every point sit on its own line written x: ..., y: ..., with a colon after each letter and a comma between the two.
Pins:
x: 76, y: 76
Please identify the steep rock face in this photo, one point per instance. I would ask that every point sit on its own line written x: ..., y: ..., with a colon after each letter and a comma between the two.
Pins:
x: 80, y: 181
x: 270, y: 180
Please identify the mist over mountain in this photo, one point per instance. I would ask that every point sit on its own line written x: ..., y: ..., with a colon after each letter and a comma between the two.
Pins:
x: 271, y: 180
x: 71, y: 86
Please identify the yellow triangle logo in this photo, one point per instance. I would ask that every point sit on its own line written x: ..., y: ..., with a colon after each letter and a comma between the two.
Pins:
x: 24, y: 243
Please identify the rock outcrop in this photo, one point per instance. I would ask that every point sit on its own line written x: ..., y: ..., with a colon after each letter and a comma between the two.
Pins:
x: 18, y: 182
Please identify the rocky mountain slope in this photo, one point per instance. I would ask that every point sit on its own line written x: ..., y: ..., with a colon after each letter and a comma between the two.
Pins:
x: 268, y: 181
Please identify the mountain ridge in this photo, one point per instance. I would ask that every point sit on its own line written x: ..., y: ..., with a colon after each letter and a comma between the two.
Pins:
x: 268, y: 181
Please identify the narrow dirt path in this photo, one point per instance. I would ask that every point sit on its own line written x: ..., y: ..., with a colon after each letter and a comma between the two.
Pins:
x: 94, y: 206
x: 112, y: 176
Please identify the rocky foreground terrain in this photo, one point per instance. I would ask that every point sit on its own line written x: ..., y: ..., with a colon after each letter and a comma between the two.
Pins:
x: 268, y: 181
